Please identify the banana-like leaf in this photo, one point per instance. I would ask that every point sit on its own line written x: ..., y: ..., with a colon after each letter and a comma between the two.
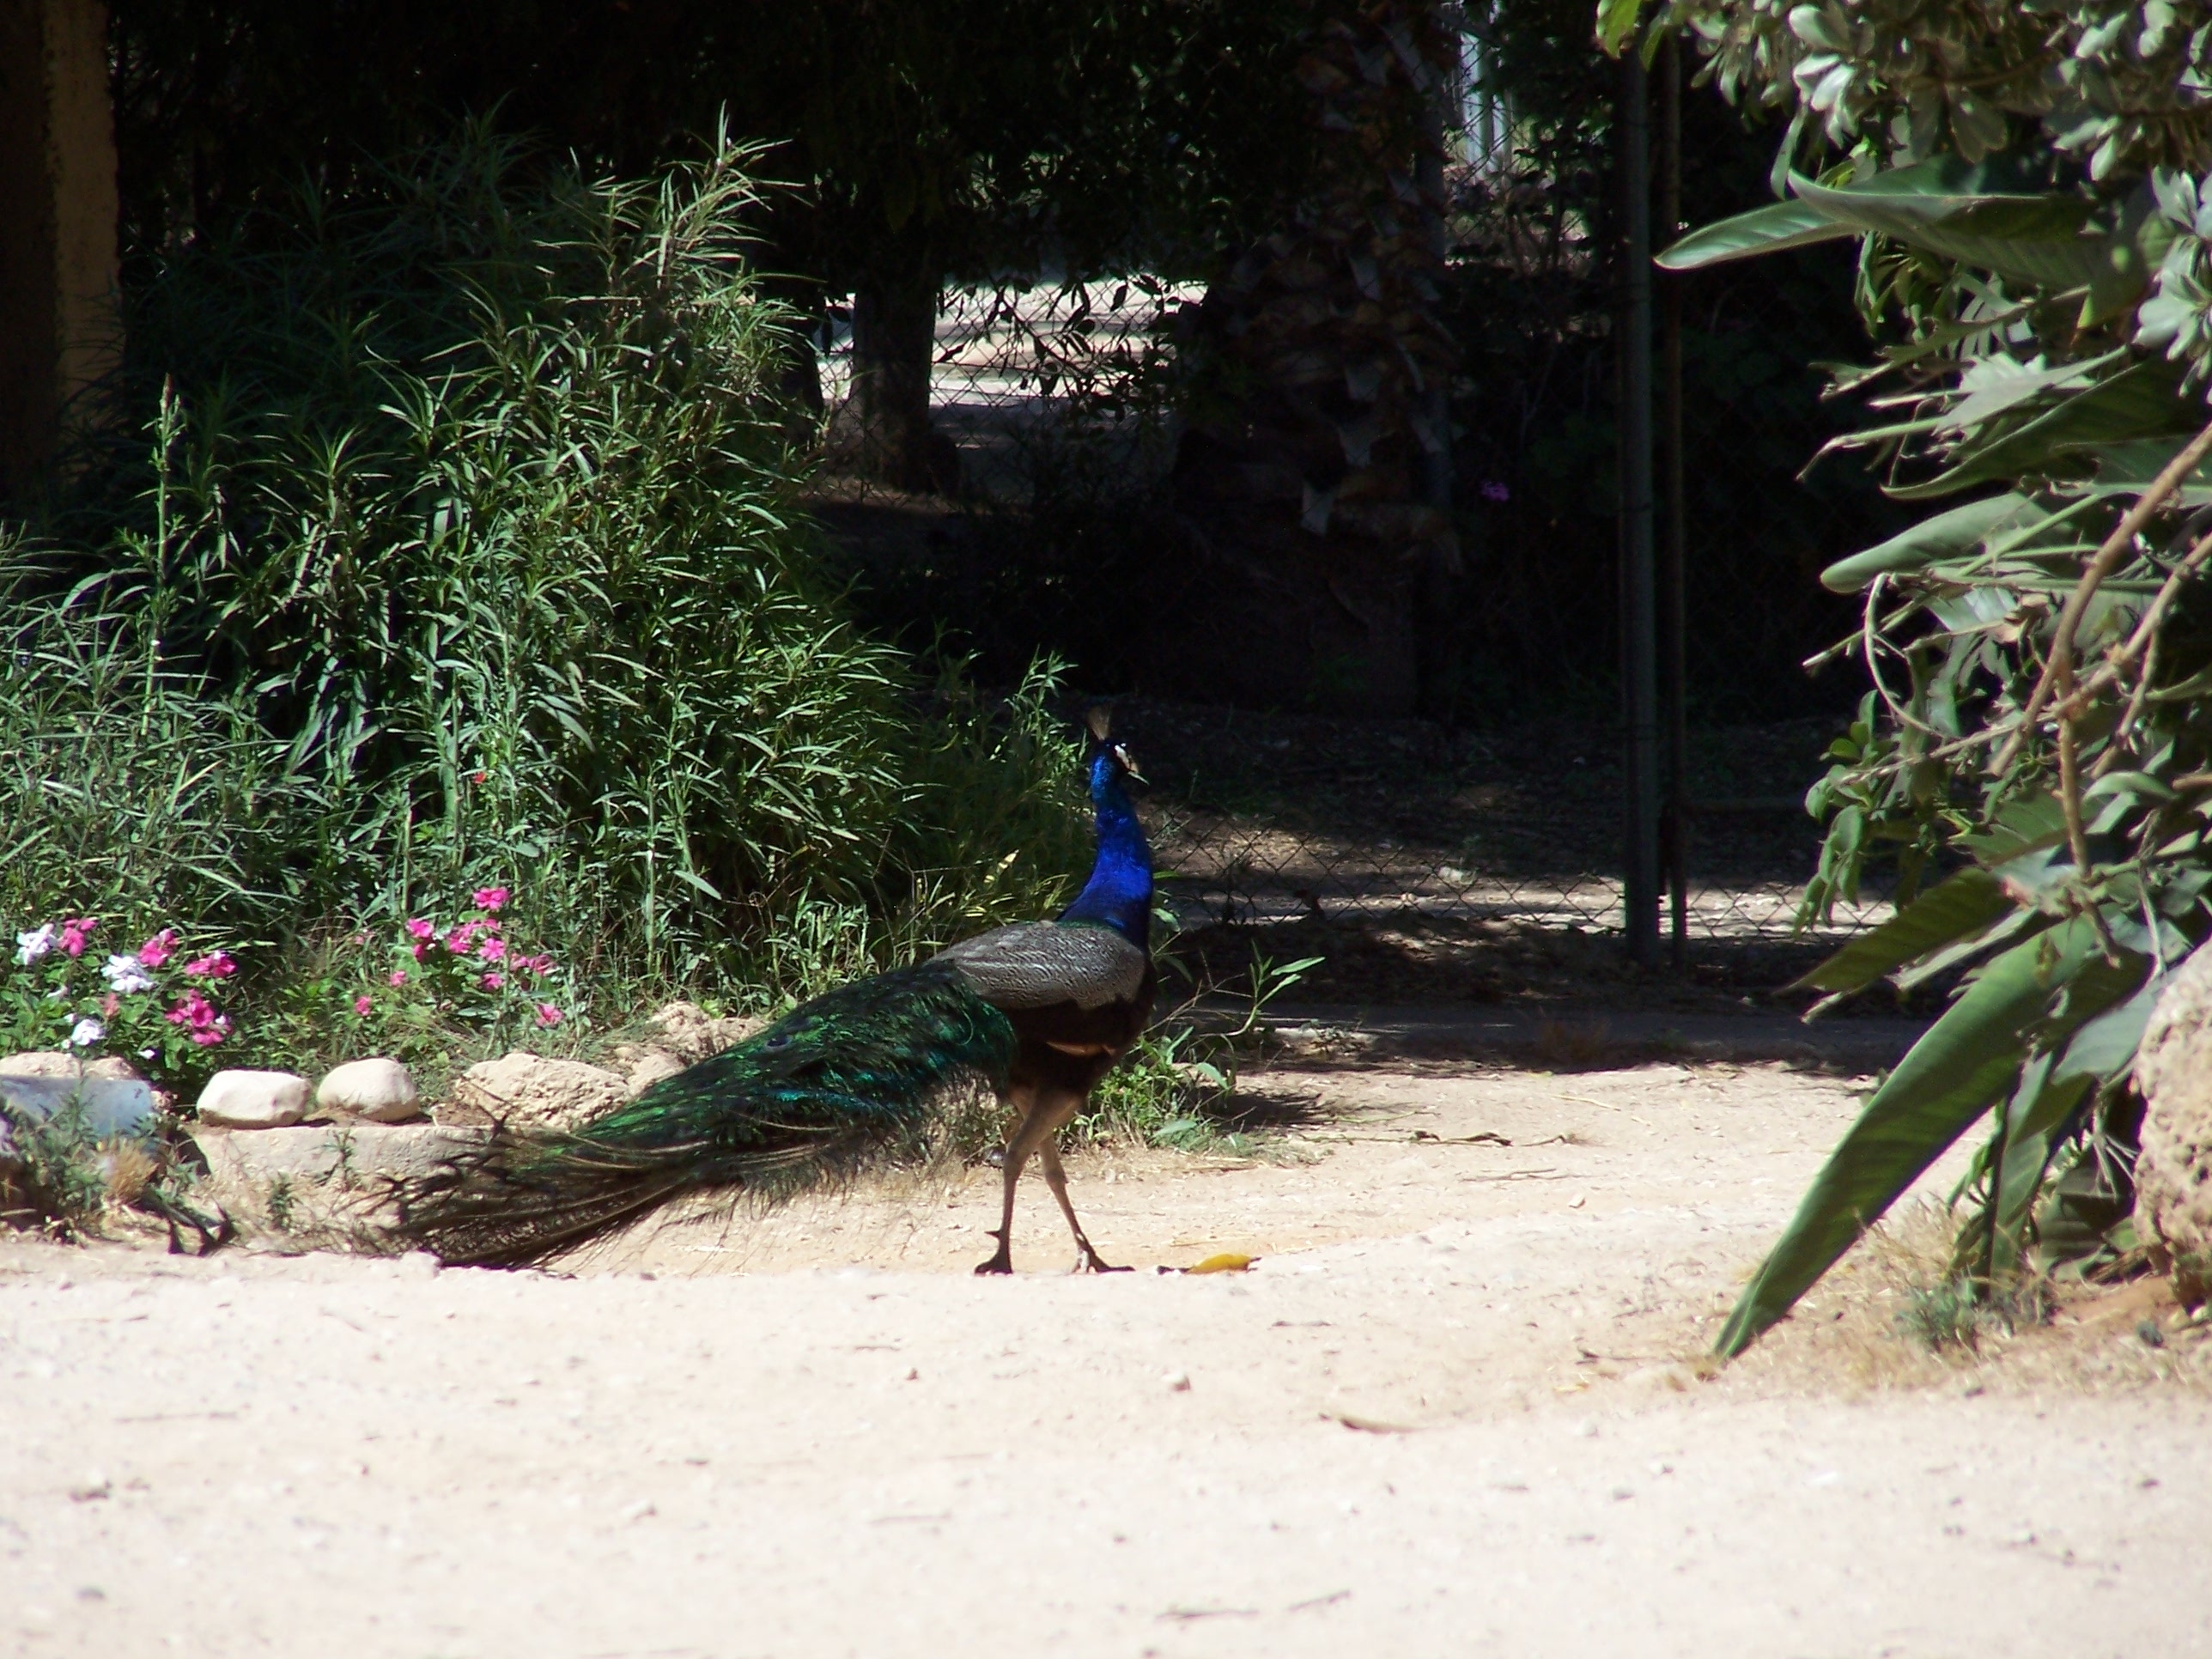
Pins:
x: 1957, y: 907
x: 2127, y: 469
x: 1616, y: 21
x: 2054, y: 1084
x: 2032, y: 238
x: 1768, y: 229
x: 1966, y: 1062
x: 1949, y: 534
x: 2038, y: 1109
x: 2141, y: 401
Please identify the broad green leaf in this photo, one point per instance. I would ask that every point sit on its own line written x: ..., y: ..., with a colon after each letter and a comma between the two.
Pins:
x: 1957, y: 907
x: 2136, y: 246
x: 1948, y: 535
x: 1964, y: 1063
x: 1616, y: 21
x: 2034, y: 238
x: 2141, y: 401
x: 2028, y: 824
x: 1768, y: 229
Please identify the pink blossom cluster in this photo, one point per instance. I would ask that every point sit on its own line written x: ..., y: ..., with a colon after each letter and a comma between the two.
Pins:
x: 479, y: 943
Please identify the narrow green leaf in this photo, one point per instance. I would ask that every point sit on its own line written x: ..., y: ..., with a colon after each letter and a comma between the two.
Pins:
x: 1957, y: 907
x: 1967, y: 1061
x: 1768, y: 229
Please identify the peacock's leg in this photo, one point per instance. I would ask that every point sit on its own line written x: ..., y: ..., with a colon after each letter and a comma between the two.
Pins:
x: 1056, y: 1178
x: 1031, y: 1127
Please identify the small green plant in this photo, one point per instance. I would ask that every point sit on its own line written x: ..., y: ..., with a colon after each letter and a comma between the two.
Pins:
x: 1959, y: 1311
x: 1176, y: 1085
x: 280, y: 1202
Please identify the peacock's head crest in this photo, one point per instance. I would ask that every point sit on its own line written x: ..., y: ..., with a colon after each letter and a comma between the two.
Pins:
x: 1110, y: 761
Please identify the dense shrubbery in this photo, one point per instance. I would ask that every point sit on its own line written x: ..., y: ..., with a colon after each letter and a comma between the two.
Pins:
x: 448, y: 548
x: 2024, y: 185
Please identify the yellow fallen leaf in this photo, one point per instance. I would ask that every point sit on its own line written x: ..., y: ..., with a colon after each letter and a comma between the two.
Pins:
x: 1227, y: 1262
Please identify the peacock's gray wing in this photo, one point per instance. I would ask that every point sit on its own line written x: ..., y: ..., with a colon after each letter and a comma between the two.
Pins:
x: 1036, y: 964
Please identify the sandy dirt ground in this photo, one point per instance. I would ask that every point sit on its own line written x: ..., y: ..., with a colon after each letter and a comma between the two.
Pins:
x: 1454, y: 1408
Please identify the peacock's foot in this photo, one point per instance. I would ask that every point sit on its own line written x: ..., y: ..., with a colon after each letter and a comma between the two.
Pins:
x: 1090, y: 1262
x: 1003, y: 1262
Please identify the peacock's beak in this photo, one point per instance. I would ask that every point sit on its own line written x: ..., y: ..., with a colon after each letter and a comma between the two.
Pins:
x: 1129, y: 765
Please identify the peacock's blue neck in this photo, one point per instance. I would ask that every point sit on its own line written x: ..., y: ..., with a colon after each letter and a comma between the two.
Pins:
x: 1120, y: 891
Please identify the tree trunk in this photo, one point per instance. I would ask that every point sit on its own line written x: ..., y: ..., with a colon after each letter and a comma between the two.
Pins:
x: 885, y: 427
x: 58, y: 328
x: 1311, y: 468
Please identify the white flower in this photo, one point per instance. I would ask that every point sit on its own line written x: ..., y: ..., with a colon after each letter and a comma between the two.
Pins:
x: 127, y: 974
x: 30, y: 946
x: 86, y: 1032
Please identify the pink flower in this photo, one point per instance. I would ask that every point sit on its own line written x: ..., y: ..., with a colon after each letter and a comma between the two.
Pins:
x: 75, y: 932
x: 158, y: 949
x: 362, y: 1004
x: 196, y: 1012
x: 550, y: 1015
x: 492, y: 949
x: 422, y: 927
x: 533, y: 964
x: 491, y: 900
x: 216, y: 964
x: 399, y: 977
x: 420, y: 949
x: 109, y: 1004
x: 492, y: 982
x: 457, y: 941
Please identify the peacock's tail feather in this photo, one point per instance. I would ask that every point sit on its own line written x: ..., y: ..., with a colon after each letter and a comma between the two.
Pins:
x: 849, y: 1080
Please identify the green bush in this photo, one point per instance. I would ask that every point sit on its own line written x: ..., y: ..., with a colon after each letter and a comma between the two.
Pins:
x: 456, y: 551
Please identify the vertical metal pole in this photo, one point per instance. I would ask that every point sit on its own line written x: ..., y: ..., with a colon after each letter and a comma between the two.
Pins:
x: 1674, y: 678
x: 1440, y: 559
x: 1639, y: 666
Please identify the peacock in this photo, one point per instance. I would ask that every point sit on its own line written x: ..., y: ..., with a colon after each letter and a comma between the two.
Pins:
x: 1038, y: 1012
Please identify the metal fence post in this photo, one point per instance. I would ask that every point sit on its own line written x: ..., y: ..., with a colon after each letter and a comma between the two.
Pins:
x: 1674, y: 675
x: 1638, y: 642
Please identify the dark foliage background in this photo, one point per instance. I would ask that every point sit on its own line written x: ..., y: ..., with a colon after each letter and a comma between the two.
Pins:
x: 1532, y: 296
x: 1536, y: 285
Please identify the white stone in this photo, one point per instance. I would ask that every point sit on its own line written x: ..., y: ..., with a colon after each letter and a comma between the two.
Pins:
x: 253, y: 1100
x: 54, y: 1062
x: 378, y: 1089
x: 527, y: 1091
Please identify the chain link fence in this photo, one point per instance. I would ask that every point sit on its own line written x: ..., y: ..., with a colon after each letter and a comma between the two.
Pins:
x: 1263, y: 821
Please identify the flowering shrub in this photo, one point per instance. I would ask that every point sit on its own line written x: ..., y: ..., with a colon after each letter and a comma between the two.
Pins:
x: 61, y: 991
x: 473, y: 973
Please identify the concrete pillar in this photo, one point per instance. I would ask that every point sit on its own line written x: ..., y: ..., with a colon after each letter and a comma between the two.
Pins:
x: 59, y: 327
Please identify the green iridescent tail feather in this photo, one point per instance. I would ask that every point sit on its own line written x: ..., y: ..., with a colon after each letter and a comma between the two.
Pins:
x: 851, y: 1080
